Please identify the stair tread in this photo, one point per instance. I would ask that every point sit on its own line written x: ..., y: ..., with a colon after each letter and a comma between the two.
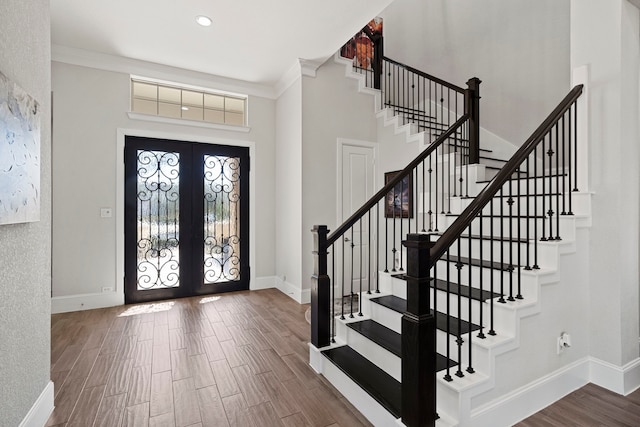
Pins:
x: 528, y: 177
x: 441, y: 285
x: 390, y: 339
x: 399, y: 305
x: 478, y: 262
x: 496, y: 238
x: 381, y: 386
x: 505, y: 216
x: 483, y: 150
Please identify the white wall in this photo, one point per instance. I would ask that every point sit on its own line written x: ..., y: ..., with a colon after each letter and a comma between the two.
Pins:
x: 604, y: 36
x: 518, y: 48
x: 332, y: 108
x: 91, y: 106
x: 25, y: 267
x: 288, y: 225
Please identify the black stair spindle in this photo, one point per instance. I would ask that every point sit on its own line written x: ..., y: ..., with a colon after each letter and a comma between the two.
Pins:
x: 352, y: 268
x: 558, y: 183
x: 519, y: 242
x: 401, y: 222
x: 386, y: 244
x: 332, y: 291
x: 564, y: 166
x: 430, y: 229
x: 543, y: 192
x: 550, y: 212
x: 575, y: 151
x: 447, y: 376
x: 377, y: 207
x: 424, y: 194
x: 491, y: 278
x: 393, y: 213
x: 570, y: 128
x: 510, y: 201
x: 470, y: 303
x: 343, y: 282
x: 501, y: 218
x: 535, y: 208
x: 481, y: 277
x: 360, y: 264
x: 459, y: 340
x: 369, y: 253
x: 528, y: 198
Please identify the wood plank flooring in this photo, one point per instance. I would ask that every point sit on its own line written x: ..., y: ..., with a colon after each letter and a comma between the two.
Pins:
x: 237, y: 359
x: 589, y: 406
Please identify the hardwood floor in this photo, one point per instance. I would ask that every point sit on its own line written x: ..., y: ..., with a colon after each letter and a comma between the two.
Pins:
x: 237, y: 359
x: 589, y: 406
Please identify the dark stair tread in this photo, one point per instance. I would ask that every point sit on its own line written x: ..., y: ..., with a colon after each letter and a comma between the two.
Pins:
x: 496, y: 238
x: 400, y: 305
x: 495, y: 215
x: 454, y: 288
x: 478, y: 262
x: 483, y: 150
x: 390, y: 339
x: 385, y: 389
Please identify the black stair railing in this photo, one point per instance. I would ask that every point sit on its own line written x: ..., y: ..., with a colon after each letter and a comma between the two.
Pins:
x: 415, y: 97
x: 347, y: 262
x: 498, y: 235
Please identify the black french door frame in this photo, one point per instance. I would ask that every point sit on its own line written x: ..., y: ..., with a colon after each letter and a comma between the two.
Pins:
x: 187, y: 183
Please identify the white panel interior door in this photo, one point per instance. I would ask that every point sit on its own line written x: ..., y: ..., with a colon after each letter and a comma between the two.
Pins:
x: 357, y: 187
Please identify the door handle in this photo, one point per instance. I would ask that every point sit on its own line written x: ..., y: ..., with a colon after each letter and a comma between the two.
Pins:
x: 346, y: 239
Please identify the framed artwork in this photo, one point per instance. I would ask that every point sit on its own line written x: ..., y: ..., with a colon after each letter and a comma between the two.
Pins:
x: 19, y: 154
x: 399, y: 201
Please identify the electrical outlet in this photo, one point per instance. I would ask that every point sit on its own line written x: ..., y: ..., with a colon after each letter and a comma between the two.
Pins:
x: 563, y: 342
x: 105, y: 213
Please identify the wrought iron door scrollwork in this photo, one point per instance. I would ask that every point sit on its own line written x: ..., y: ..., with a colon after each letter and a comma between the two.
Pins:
x: 221, y: 219
x: 158, y: 197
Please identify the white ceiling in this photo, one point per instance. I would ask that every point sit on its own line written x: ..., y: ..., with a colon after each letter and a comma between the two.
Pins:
x: 253, y: 40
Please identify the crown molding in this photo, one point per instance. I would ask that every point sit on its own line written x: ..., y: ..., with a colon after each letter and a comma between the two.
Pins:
x: 120, y: 64
x: 302, y: 67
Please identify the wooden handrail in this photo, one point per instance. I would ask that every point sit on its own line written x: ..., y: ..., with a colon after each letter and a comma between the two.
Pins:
x: 481, y: 200
x: 393, y: 182
x: 425, y: 75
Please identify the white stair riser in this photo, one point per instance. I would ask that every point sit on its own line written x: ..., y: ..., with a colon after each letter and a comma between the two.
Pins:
x: 538, y: 227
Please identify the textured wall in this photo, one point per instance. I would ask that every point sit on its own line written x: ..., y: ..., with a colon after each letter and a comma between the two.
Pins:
x: 25, y: 249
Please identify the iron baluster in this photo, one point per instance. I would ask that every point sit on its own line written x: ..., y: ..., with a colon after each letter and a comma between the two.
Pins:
x: 510, y: 201
x: 575, y: 140
x: 470, y: 300
x: 351, y: 288
x: 528, y: 198
x: 491, y: 278
x: 543, y: 193
x: 447, y: 376
x: 501, y: 300
x: 459, y: 340
x: 550, y: 194
x: 481, y: 278
x: 558, y: 182
x: 564, y: 166
x: 361, y: 276
x: 535, y: 209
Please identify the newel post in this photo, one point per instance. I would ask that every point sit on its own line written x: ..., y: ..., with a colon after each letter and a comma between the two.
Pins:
x: 320, y: 289
x: 418, y: 338
x: 378, y: 54
x: 472, y: 101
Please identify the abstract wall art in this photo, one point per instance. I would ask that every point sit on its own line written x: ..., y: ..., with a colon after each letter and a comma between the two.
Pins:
x: 19, y: 154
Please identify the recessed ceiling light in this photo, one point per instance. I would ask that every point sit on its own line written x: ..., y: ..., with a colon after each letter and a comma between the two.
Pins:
x: 205, y: 21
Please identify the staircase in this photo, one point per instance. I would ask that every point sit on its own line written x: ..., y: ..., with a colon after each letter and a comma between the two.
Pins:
x: 493, y: 234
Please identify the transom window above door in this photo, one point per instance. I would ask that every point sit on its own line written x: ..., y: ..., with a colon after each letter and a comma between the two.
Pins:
x: 180, y: 102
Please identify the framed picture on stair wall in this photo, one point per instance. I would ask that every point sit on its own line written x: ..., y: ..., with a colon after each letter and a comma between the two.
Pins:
x: 399, y: 201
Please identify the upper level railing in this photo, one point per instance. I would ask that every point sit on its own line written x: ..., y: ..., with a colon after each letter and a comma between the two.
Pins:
x: 429, y: 103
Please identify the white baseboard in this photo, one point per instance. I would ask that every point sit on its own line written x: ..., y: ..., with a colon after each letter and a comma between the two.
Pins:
x: 622, y: 380
x: 86, y: 302
x: 266, y: 282
x: 111, y: 299
x: 41, y: 409
x: 302, y: 296
x: 520, y: 404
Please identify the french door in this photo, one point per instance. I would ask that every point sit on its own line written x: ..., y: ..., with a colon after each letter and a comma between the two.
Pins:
x: 186, y: 219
